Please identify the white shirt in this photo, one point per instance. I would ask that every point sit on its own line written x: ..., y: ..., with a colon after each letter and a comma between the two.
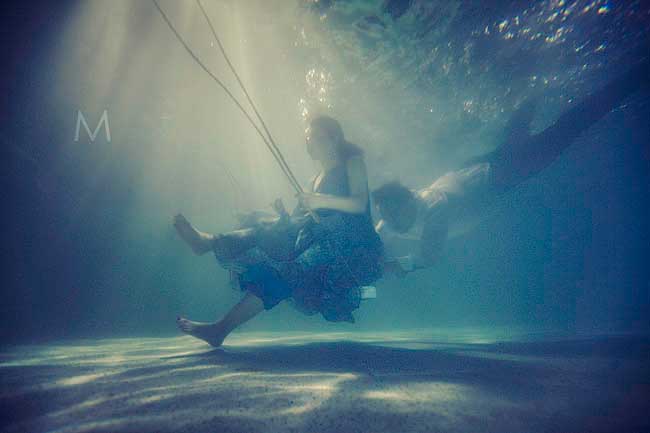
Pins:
x: 451, y: 206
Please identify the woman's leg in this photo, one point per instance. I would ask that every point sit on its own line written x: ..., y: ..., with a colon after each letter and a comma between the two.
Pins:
x: 199, y: 242
x: 215, y: 333
x: 226, y: 246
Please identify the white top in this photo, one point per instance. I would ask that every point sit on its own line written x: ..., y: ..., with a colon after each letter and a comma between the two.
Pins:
x: 452, y: 205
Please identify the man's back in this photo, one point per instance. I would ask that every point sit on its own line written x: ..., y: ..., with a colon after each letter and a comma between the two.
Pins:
x: 449, y: 207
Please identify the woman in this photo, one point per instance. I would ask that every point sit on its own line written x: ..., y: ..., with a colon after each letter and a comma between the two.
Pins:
x: 318, y: 262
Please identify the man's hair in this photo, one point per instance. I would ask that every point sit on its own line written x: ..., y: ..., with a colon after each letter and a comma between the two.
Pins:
x: 397, y: 205
x: 392, y: 193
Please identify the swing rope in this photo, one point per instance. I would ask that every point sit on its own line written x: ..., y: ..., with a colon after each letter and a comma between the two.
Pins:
x: 243, y: 88
x: 271, y: 145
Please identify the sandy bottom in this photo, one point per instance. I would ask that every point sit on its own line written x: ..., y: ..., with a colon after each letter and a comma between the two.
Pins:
x: 418, y: 381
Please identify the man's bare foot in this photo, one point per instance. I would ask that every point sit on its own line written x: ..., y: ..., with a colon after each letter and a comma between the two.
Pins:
x: 199, y: 242
x: 211, y: 333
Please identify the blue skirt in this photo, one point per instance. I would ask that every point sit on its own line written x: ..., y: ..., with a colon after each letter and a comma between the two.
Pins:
x: 322, y: 273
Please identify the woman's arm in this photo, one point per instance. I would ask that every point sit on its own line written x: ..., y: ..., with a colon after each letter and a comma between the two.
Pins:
x: 358, y: 186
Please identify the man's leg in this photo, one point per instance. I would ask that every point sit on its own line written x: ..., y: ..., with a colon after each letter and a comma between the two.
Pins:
x: 215, y: 333
x: 516, y: 162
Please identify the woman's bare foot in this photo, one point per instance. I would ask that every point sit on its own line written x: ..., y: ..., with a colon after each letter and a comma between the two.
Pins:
x: 198, y: 241
x: 211, y: 333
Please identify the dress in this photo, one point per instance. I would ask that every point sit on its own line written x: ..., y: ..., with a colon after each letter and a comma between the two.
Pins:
x: 319, y: 267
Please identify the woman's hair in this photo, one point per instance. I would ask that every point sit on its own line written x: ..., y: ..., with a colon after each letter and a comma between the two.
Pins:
x: 397, y: 204
x: 332, y: 128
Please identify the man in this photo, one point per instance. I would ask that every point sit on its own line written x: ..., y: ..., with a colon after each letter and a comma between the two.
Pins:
x: 422, y: 220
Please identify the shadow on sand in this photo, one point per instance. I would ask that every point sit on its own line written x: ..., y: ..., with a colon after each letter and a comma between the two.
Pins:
x: 597, y: 384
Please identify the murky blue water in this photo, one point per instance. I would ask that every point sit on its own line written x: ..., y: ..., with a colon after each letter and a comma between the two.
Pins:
x: 421, y: 85
x: 536, y: 320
